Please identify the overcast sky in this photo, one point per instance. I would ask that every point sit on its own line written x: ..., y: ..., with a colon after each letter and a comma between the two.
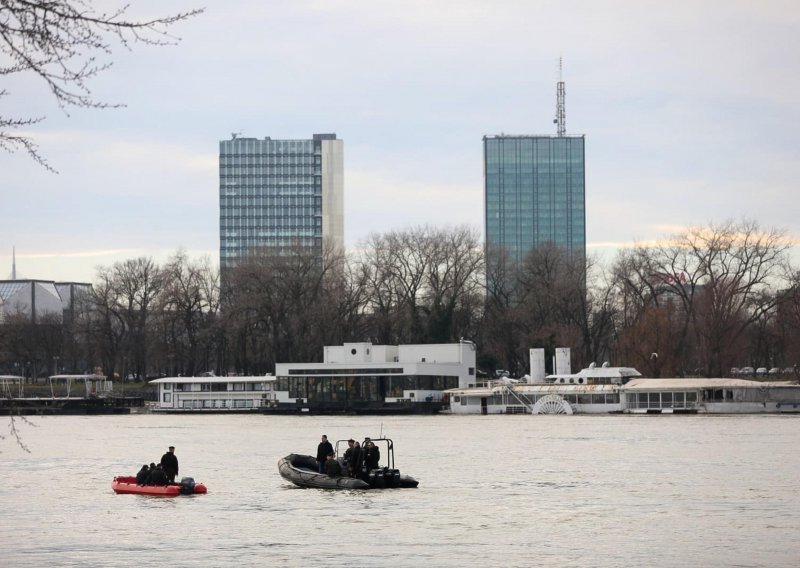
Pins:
x: 690, y: 111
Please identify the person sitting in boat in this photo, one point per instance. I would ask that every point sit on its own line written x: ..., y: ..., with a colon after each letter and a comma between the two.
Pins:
x: 323, y: 449
x: 372, y: 456
x: 157, y: 476
x: 141, y: 477
x: 332, y: 467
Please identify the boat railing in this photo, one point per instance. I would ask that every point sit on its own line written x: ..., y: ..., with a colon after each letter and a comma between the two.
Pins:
x: 507, y: 392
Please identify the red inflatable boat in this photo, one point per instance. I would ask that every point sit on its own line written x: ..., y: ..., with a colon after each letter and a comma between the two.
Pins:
x: 125, y: 484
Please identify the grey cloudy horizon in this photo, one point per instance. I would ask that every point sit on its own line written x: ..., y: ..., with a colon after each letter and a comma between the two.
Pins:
x: 689, y: 111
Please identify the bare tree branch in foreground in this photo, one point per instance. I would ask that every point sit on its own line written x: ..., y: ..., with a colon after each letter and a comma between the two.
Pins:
x: 61, y: 42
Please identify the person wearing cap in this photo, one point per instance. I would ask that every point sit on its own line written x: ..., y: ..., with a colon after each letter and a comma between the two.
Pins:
x: 169, y: 463
x: 332, y: 467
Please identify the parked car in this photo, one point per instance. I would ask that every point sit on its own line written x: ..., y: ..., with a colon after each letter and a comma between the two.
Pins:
x: 761, y: 371
x: 746, y: 371
x: 734, y: 371
x: 788, y: 371
x: 774, y: 371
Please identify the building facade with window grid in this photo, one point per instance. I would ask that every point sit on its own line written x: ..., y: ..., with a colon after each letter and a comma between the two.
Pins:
x: 534, y: 194
x: 280, y: 194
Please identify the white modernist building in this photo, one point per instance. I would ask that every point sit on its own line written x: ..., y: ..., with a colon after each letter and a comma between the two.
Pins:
x: 366, y: 378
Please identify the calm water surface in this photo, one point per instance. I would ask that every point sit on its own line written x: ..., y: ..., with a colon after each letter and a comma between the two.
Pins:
x: 494, y: 491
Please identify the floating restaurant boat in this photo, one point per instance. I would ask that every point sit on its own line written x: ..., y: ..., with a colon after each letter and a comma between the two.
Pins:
x: 128, y: 485
x: 208, y: 394
x: 606, y: 389
x: 638, y: 396
x: 302, y: 471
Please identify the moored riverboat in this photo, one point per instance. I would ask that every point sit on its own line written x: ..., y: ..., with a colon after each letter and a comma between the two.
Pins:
x: 635, y: 396
x: 99, y: 397
x: 209, y: 394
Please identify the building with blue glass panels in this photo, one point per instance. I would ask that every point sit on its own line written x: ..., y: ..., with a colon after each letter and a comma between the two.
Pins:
x: 280, y: 194
x: 534, y: 194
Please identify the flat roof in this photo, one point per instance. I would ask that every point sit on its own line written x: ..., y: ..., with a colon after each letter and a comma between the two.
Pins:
x: 700, y: 383
x: 184, y: 380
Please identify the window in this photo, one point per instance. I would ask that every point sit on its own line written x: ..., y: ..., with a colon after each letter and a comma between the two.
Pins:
x: 167, y: 386
x: 167, y: 397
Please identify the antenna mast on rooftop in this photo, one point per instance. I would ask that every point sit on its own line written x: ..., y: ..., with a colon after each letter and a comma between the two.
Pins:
x: 13, y: 263
x: 560, y: 120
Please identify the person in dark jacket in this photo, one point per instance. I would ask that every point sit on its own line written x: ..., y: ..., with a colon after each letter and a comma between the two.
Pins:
x: 323, y: 449
x: 141, y: 477
x: 372, y: 456
x: 354, y: 462
x: 349, y: 451
x: 169, y: 463
x: 157, y: 477
x: 332, y: 466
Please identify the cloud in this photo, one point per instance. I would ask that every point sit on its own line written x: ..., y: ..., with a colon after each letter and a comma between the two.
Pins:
x: 376, y: 202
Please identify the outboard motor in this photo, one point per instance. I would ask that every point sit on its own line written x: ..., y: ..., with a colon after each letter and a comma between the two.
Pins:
x: 187, y: 485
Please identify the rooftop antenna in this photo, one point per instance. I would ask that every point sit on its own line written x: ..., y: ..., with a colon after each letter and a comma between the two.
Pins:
x: 235, y: 135
x: 560, y: 120
x: 13, y: 263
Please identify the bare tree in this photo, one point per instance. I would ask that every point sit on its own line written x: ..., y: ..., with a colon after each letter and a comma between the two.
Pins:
x: 454, y: 283
x: 719, y: 280
x: 286, y: 305
x: 60, y: 42
x: 423, y: 284
x: 186, y: 310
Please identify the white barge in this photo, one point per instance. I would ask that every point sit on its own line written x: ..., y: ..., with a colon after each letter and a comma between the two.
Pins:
x: 211, y: 394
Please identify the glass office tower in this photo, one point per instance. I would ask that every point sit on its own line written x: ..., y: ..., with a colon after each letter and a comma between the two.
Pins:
x: 280, y: 194
x: 534, y: 194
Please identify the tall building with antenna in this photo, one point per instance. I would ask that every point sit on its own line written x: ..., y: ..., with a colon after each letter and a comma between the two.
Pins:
x: 534, y: 191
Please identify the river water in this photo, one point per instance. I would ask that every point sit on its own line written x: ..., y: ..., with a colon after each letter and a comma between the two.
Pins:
x: 494, y: 491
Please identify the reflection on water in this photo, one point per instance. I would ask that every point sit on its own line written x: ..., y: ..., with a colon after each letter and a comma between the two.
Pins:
x: 494, y: 491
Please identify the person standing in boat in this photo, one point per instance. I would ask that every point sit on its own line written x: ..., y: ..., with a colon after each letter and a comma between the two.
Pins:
x: 350, y: 455
x: 323, y: 449
x: 354, y: 463
x: 372, y: 456
x: 169, y: 463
